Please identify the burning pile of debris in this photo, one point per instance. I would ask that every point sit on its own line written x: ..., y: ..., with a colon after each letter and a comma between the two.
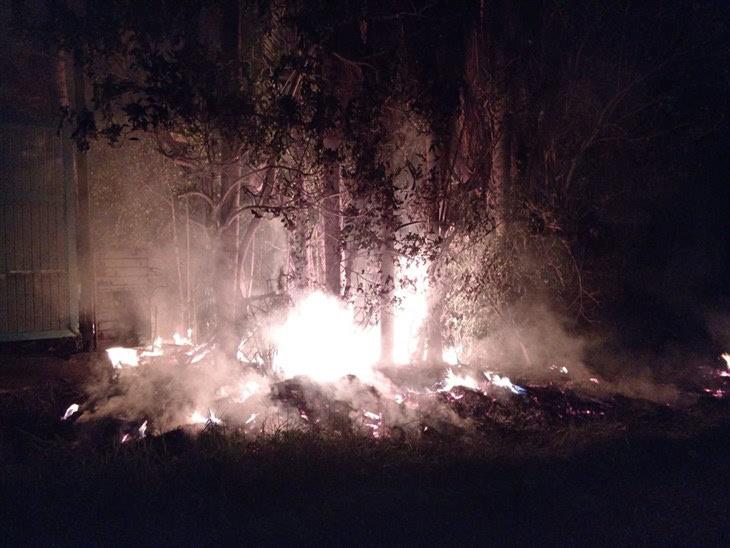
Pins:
x: 178, y: 384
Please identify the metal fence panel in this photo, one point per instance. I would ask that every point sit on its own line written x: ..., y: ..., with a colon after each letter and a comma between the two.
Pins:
x: 37, y: 235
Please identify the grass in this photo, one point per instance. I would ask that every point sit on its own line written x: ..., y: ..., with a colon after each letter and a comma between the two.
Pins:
x: 650, y: 482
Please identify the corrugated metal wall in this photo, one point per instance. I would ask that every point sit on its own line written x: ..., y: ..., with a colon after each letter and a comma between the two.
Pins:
x: 37, y: 235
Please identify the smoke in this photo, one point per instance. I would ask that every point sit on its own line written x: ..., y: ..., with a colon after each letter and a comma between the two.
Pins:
x: 718, y: 327
x: 326, y: 377
x: 538, y: 346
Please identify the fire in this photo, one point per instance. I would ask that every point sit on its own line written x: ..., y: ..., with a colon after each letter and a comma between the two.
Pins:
x: 198, y: 353
x: 374, y: 422
x: 504, y: 382
x: 121, y: 356
x: 320, y: 339
x: 72, y: 409
x: 726, y: 356
x: 411, y: 310
x: 154, y: 350
x: 198, y: 418
x: 179, y: 340
x: 451, y: 356
x: 453, y: 380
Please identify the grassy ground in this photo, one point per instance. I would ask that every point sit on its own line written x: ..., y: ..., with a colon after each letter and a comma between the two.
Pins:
x: 597, y: 484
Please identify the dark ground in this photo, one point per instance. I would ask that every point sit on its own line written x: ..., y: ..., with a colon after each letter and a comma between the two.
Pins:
x: 658, y: 483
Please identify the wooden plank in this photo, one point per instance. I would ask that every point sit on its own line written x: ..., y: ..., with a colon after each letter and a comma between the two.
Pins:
x: 28, y: 265
x: 43, y: 231
x: 122, y: 262
x: 113, y: 273
x: 124, y: 252
x: 3, y: 268
x: 18, y: 265
x: 56, y: 255
x: 3, y: 303
x: 9, y: 288
x: 35, y: 259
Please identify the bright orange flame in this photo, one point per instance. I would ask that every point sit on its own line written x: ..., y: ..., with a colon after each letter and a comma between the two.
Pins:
x: 73, y: 408
x: 411, y: 311
x: 453, y: 380
x: 121, y: 356
x: 198, y: 418
x: 726, y: 356
x: 320, y: 339
x: 179, y: 340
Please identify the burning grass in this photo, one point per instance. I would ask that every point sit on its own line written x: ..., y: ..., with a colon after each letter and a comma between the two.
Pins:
x: 177, y: 444
x: 604, y: 482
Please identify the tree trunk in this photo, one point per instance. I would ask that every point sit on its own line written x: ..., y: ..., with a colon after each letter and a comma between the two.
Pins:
x: 501, y: 183
x: 85, y: 251
x: 387, y: 285
x: 438, y: 168
x: 332, y: 229
x: 178, y: 264
x: 227, y: 245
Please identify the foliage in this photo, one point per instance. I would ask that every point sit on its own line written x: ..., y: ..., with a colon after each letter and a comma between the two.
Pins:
x: 412, y: 103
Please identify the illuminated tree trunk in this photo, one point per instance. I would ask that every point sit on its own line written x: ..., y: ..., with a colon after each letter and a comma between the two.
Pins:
x: 438, y: 164
x: 387, y: 285
x: 298, y: 259
x: 227, y: 245
x: 501, y: 180
x: 332, y: 228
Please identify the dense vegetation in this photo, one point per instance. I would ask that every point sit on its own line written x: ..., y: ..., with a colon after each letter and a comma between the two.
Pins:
x: 531, y: 154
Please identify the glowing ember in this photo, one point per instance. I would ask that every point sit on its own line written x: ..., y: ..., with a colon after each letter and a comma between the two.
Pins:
x: 73, y: 408
x: 564, y: 370
x: 453, y: 380
x: 198, y: 354
x: 374, y: 422
x: 142, y: 429
x: 371, y: 415
x: 718, y: 393
x: 504, y: 382
x: 121, y: 357
x: 250, y: 419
